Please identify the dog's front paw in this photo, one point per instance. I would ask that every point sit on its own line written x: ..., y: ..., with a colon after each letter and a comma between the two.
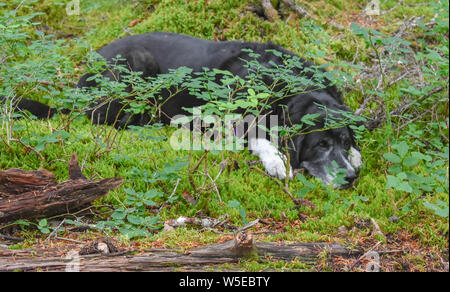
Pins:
x: 275, y: 166
x: 272, y: 159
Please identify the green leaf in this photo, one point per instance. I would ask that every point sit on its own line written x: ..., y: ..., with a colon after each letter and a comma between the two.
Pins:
x: 238, y: 206
x: 402, y: 176
x: 309, y: 119
x: 421, y: 156
x: 441, y: 212
x: 395, y: 169
x: 136, y: 220
x: 263, y: 95
x: 303, y: 179
x: 243, y: 214
x: 397, y: 183
x: 404, y: 186
x: 22, y: 222
x: 118, y: 215
x: 234, y: 204
x: 361, y: 198
x: 224, y: 72
x: 410, y: 161
x: 152, y: 220
x: 43, y: 223
x: 391, y: 157
x: 44, y: 230
x: 302, y: 192
x: 402, y: 148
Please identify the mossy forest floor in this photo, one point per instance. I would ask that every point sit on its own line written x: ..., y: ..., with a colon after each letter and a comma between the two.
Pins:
x: 413, y: 238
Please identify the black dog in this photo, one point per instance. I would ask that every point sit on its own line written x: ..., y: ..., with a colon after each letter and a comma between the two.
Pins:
x: 155, y: 53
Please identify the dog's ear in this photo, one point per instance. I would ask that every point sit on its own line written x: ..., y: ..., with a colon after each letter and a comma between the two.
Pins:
x: 343, y: 107
x: 353, y: 138
x: 295, y: 150
x: 300, y: 106
x: 297, y: 109
x: 354, y: 123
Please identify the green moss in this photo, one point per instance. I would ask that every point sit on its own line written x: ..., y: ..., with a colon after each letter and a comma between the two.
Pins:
x: 100, y: 22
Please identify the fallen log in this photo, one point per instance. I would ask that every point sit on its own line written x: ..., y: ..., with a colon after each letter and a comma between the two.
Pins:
x: 36, y: 194
x: 16, y: 181
x: 166, y: 260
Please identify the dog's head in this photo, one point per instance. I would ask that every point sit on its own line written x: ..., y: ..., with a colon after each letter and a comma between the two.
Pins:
x: 323, y: 149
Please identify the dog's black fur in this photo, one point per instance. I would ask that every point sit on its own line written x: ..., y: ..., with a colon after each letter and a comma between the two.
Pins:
x: 157, y: 52
x: 37, y: 109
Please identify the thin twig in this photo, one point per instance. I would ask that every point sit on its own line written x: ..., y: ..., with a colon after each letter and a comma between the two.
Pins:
x: 364, y: 255
x: 68, y: 239
x: 284, y: 188
x: 55, y: 231
x: 249, y: 225
x: 11, y: 238
x: 171, y: 195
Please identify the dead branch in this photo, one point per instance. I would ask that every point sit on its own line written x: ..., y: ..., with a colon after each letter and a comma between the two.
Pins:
x: 299, y: 10
x: 164, y: 259
x: 380, y: 117
x: 35, y: 194
x: 16, y: 181
x: 364, y: 255
x: 269, y: 11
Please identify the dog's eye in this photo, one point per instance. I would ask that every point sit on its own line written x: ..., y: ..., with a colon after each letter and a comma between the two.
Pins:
x: 346, y: 144
x: 323, y: 144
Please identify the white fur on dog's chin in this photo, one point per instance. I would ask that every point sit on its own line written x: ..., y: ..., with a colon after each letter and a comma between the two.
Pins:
x: 272, y: 159
x: 355, y: 158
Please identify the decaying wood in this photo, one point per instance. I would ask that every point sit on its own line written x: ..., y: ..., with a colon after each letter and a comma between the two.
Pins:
x: 269, y: 11
x: 104, y: 246
x: 34, y: 194
x: 299, y: 10
x: 162, y: 259
x: 16, y: 181
x: 272, y: 14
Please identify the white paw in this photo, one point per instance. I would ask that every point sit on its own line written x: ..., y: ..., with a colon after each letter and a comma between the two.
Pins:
x: 272, y: 159
x: 275, y: 166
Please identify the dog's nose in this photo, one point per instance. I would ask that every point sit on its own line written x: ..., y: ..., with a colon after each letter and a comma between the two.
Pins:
x: 351, y: 177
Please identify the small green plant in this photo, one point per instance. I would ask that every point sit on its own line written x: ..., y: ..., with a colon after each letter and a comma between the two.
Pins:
x: 406, y: 177
x: 133, y: 218
x: 440, y: 208
x: 43, y: 225
x: 237, y: 205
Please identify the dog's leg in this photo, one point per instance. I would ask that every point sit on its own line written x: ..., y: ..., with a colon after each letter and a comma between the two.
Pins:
x: 272, y: 159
